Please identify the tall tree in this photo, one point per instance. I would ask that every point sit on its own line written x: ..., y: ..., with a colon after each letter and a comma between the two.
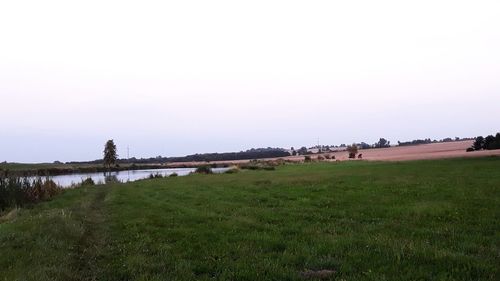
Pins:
x: 110, y: 155
x: 382, y: 143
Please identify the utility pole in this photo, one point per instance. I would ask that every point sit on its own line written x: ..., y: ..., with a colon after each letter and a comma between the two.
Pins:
x: 128, y: 153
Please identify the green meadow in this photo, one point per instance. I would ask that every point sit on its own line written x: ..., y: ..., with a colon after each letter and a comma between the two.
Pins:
x: 419, y: 220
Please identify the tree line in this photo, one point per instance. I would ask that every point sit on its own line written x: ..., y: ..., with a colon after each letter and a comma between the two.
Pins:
x: 111, y: 158
x: 428, y: 140
x: 486, y: 143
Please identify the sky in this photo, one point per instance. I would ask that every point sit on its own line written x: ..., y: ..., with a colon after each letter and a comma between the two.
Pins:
x: 173, y: 78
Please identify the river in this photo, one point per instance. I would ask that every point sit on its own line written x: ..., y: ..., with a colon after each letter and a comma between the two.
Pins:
x: 123, y: 176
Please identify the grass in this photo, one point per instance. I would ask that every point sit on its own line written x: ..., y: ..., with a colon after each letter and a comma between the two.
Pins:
x: 421, y: 220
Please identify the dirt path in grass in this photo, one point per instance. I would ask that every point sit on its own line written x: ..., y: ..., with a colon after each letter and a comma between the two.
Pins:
x: 90, y: 245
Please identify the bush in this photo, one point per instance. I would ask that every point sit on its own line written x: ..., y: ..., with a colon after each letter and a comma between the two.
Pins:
x: 307, y: 159
x: 155, y: 176
x: 470, y: 149
x: 321, y: 158
x: 203, y: 170
x: 260, y: 165
x: 88, y: 181
x: 173, y: 175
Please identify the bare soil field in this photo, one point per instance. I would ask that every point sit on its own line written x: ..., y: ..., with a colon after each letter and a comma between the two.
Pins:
x: 418, y: 152
x: 396, y: 153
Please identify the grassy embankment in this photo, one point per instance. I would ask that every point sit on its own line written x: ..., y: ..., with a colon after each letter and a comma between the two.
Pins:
x: 423, y: 220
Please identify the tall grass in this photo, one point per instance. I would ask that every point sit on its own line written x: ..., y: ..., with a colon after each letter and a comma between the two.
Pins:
x: 18, y: 191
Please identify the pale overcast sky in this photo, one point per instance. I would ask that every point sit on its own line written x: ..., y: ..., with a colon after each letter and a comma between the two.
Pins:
x: 178, y: 77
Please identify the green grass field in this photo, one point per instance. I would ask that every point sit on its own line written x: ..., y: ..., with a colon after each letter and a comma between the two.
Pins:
x: 423, y: 220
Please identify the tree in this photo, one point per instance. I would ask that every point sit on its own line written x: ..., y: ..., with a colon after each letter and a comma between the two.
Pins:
x: 353, y: 150
x: 497, y: 141
x: 364, y: 145
x: 302, y: 151
x: 478, y: 143
x: 489, y: 142
x: 382, y: 143
x: 110, y: 155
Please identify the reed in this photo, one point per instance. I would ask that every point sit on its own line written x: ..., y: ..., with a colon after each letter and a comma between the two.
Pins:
x: 16, y: 191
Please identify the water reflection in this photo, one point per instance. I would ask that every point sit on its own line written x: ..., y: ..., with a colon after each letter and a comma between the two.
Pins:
x: 110, y: 178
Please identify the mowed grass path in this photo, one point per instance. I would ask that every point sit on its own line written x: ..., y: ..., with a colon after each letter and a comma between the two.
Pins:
x: 423, y: 220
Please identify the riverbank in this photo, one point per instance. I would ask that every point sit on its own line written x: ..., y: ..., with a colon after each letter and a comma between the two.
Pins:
x: 48, y: 169
x: 358, y: 220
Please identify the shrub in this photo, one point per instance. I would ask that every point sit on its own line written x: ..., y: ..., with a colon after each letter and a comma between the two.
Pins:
x: 203, y: 170
x: 307, y: 159
x: 321, y: 158
x: 260, y: 165
x: 155, y: 176
x: 470, y: 149
x: 328, y: 156
x: 172, y: 175
x: 88, y: 181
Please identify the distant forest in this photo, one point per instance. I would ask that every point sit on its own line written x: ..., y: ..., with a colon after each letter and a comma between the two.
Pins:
x: 254, y: 153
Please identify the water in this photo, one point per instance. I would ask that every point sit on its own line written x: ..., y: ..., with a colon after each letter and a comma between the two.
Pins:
x: 123, y: 176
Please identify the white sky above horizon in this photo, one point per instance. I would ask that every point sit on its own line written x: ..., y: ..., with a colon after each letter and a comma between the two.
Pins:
x: 179, y: 77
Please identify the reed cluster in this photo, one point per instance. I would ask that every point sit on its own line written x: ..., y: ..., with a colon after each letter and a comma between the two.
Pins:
x: 16, y: 191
